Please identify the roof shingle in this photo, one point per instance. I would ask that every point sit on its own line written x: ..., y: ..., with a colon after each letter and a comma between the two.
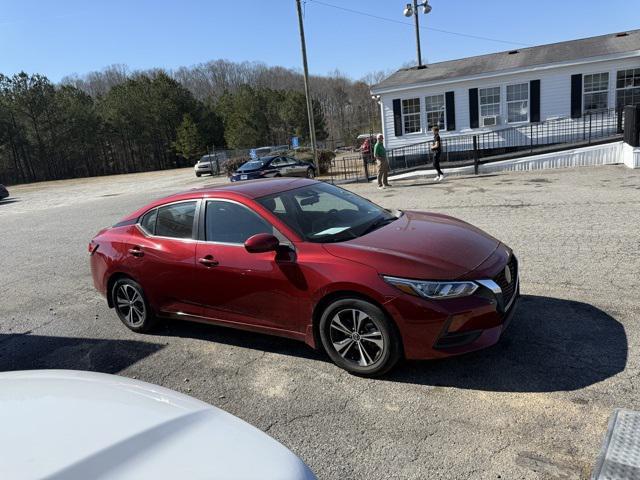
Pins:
x: 522, y: 58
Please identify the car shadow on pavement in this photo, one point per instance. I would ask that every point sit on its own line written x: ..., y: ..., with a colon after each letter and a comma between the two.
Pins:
x: 7, y: 201
x: 29, y: 352
x: 550, y: 345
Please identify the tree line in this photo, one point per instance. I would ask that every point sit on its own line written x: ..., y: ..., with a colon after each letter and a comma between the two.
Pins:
x: 116, y: 121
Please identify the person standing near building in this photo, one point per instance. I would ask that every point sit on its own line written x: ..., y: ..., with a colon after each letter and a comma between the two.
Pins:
x: 436, y: 148
x: 380, y: 155
x: 366, y: 150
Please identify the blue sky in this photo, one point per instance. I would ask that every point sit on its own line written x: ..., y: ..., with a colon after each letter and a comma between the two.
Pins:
x: 71, y: 36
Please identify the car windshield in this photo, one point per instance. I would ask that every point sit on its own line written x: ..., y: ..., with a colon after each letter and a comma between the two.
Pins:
x: 253, y: 164
x: 324, y: 213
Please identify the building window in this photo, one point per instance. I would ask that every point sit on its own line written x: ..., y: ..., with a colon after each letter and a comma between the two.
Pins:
x: 596, y: 92
x: 435, y: 111
x: 628, y: 87
x: 489, y: 103
x: 518, y: 103
x: 411, y: 115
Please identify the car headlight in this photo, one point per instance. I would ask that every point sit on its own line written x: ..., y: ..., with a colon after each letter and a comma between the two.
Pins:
x: 433, y: 289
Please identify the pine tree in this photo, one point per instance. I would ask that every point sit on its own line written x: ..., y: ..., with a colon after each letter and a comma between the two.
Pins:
x: 188, y: 143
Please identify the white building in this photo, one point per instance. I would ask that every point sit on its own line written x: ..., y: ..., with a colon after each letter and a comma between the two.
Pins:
x: 489, y: 92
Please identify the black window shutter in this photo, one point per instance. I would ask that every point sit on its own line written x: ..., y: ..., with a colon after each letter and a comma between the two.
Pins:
x: 450, y: 107
x: 576, y: 95
x: 534, y: 109
x: 397, y: 118
x: 474, y: 119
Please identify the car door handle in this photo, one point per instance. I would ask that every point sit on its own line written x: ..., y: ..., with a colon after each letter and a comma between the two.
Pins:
x: 136, y: 251
x: 208, y: 261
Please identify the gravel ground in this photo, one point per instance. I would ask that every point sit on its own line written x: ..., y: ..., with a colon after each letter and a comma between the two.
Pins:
x: 534, y: 406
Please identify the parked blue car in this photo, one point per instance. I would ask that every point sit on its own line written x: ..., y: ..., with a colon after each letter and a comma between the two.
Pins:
x: 273, y: 166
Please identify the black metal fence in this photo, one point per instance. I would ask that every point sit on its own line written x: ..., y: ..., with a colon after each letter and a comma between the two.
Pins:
x: 500, y: 144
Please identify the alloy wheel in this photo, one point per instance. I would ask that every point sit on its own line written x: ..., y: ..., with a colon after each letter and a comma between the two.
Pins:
x: 356, y: 337
x: 130, y: 305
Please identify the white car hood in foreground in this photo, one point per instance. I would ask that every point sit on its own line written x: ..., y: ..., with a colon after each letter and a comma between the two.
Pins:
x: 79, y: 425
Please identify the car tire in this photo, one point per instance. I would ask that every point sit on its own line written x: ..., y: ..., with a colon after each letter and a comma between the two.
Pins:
x: 310, y: 173
x: 198, y: 174
x: 131, y: 305
x: 359, y: 337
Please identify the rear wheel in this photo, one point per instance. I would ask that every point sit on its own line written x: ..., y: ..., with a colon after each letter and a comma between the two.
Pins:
x: 359, y: 337
x: 132, y: 306
x: 198, y: 174
x: 310, y: 173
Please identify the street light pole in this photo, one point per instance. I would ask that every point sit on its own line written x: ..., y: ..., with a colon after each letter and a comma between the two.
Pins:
x: 312, y: 128
x: 413, y: 10
x: 415, y: 17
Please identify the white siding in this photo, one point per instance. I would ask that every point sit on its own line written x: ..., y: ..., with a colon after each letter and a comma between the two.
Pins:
x: 555, y: 96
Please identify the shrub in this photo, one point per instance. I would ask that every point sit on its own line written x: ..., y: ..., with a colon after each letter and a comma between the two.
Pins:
x: 234, y: 163
x: 325, y: 157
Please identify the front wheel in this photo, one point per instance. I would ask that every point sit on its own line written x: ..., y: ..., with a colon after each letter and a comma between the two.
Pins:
x: 310, y: 173
x: 198, y: 175
x: 132, y: 306
x: 359, y: 337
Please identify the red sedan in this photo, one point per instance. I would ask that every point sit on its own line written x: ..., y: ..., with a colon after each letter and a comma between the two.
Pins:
x: 310, y: 261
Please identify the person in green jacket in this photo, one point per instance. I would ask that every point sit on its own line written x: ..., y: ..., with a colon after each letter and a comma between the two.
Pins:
x: 380, y: 155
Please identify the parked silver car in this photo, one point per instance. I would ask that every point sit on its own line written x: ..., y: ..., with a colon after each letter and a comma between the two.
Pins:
x: 211, y: 164
x: 4, y: 193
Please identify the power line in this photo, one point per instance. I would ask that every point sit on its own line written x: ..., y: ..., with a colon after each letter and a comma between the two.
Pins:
x: 476, y: 37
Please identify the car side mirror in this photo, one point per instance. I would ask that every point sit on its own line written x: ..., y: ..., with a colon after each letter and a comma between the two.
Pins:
x: 261, y: 242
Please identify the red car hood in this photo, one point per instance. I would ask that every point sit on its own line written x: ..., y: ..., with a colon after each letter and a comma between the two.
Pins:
x: 420, y: 245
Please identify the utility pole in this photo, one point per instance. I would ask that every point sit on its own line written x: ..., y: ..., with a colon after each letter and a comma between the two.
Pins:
x: 312, y: 128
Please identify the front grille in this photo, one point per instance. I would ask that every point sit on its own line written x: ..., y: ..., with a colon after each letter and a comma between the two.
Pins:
x: 508, y: 288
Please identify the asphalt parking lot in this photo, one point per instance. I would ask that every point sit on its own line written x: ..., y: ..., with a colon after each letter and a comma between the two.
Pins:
x: 534, y: 406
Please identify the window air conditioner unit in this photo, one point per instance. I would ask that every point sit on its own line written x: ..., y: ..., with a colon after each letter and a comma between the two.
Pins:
x: 490, y: 121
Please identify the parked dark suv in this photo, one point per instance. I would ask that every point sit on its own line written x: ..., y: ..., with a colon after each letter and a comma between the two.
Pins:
x: 273, y: 166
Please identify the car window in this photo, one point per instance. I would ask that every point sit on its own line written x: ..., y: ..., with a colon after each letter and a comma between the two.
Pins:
x: 279, y: 206
x: 228, y: 222
x: 290, y: 161
x: 148, y: 222
x: 279, y: 162
x: 176, y: 220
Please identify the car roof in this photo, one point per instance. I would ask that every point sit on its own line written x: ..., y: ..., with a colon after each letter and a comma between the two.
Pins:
x: 256, y: 188
x: 247, y: 189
